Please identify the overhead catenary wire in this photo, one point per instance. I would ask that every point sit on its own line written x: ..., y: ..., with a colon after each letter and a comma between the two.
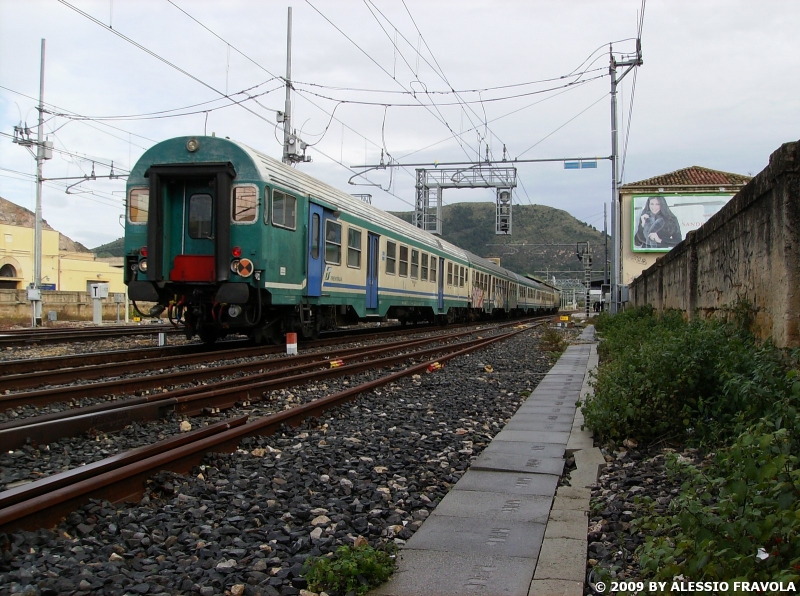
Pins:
x: 440, y: 118
x: 165, y: 61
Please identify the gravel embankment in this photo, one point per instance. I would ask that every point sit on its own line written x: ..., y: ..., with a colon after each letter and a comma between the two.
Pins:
x: 634, y: 483
x: 244, y: 522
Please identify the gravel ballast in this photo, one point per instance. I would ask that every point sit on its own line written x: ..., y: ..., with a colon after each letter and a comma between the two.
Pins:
x: 244, y: 523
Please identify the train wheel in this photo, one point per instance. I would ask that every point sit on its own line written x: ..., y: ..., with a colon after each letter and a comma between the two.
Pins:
x: 310, y: 331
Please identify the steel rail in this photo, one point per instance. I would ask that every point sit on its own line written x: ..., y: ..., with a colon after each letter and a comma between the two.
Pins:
x: 50, y: 337
x: 93, y: 366
x: 192, y: 401
x: 128, y: 482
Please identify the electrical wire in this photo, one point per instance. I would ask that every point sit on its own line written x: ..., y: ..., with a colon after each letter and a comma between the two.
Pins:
x: 65, y: 110
x: 167, y: 113
x: 440, y: 118
x: 560, y: 127
x: 460, y: 92
x: 165, y: 61
x: 457, y: 103
x: 633, y: 92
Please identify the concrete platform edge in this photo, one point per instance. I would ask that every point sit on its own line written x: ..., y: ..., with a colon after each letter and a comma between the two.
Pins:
x: 560, y: 568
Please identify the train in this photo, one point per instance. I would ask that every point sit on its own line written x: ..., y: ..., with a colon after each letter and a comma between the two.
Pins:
x: 225, y: 239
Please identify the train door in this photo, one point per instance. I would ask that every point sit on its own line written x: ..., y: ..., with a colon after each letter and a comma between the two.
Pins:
x: 316, y: 256
x: 188, y: 229
x: 441, y: 283
x: 372, y: 269
x: 190, y: 248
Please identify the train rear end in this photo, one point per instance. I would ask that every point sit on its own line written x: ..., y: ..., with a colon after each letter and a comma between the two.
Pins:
x: 182, y: 256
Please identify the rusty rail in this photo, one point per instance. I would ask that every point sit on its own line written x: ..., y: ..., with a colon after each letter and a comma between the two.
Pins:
x: 40, y: 508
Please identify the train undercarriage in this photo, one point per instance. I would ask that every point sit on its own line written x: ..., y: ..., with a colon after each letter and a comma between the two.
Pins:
x: 197, y: 309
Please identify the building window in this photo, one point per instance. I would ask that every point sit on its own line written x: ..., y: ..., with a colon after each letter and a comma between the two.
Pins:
x: 200, y: 211
x: 424, y: 276
x: 284, y: 209
x: 245, y: 204
x: 403, y: 261
x: 354, y: 248
x: 138, y: 202
x: 333, y: 242
x: 391, y: 257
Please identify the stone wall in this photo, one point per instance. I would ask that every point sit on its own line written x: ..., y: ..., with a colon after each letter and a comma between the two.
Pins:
x: 749, y: 251
x: 68, y: 306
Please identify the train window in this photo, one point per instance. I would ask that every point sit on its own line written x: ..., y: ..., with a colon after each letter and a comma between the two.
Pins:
x: 449, y: 274
x: 391, y: 257
x: 245, y: 204
x: 138, y: 201
x: 200, y: 216
x: 434, y: 258
x: 466, y: 276
x: 403, y: 261
x: 414, y: 263
x: 284, y: 209
x: 424, y: 276
x: 354, y: 248
x: 315, y: 236
x: 333, y: 242
x: 461, y: 277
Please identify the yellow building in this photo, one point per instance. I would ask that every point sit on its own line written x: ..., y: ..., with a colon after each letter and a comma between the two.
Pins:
x: 64, y: 268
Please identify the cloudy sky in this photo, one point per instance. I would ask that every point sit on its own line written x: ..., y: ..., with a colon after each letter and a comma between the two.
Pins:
x: 718, y: 88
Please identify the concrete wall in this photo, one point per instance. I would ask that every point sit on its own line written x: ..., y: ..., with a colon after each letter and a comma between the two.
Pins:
x: 14, y: 306
x: 750, y: 251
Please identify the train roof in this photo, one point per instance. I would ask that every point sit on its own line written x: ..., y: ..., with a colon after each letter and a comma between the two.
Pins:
x: 271, y: 170
x: 292, y: 178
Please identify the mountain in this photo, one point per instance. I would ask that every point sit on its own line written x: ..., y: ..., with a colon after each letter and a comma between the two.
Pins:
x: 14, y: 215
x: 471, y: 226
x: 112, y: 249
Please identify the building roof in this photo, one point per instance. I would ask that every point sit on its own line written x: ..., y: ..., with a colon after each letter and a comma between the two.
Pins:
x: 692, y: 176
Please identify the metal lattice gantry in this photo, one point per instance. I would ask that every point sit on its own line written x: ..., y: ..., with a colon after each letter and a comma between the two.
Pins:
x: 430, y: 183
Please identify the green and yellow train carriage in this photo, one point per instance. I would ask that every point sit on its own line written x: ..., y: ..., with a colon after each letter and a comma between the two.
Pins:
x: 229, y: 240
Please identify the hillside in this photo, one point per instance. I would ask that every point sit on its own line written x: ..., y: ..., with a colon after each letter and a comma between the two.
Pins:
x: 471, y: 226
x: 14, y: 215
x: 112, y: 249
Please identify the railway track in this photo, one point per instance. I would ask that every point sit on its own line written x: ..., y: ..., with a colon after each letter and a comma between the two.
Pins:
x: 30, y: 366
x: 260, y: 376
x: 41, y: 503
x: 26, y: 337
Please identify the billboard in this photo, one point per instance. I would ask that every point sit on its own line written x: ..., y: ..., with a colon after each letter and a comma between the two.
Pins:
x: 660, y: 222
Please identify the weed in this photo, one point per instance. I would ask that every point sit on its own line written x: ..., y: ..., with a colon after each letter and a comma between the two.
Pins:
x: 350, y: 569
x: 552, y: 341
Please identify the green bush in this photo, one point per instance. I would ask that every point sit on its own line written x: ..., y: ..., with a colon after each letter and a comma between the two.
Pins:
x: 355, y: 569
x: 737, y: 518
x: 662, y: 378
x: 709, y: 383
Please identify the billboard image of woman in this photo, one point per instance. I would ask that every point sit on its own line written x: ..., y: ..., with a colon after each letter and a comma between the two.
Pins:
x: 658, y: 228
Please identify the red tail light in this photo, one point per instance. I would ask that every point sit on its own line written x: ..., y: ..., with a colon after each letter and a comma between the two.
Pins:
x: 236, y: 252
x: 143, y: 251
